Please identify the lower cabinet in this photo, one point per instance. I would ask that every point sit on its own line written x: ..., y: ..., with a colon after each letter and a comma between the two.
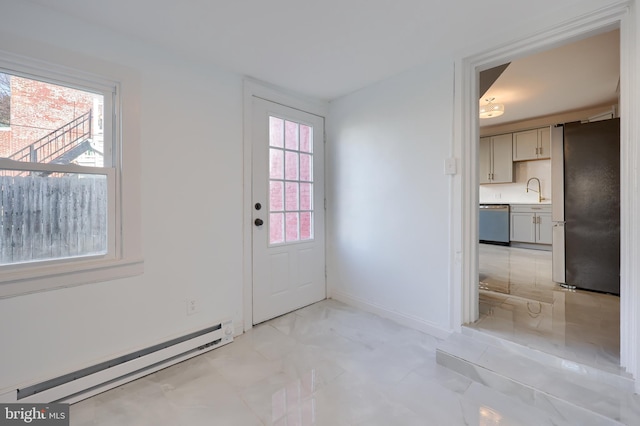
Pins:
x: 531, y: 223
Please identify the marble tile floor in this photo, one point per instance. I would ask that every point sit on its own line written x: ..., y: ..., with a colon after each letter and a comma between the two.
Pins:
x: 580, y: 395
x: 520, y: 302
x: 326, y: 364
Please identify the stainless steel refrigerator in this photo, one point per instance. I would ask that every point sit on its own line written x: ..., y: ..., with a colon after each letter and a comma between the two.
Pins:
x: 585, y: 167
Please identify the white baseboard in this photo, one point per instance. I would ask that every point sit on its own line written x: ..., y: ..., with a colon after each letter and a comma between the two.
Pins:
x: 403, y: 319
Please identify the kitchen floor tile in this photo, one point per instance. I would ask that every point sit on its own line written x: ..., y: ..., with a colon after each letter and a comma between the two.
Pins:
x: 519, y: 301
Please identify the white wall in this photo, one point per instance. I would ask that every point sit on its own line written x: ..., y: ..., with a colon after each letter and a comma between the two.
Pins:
x: 388, y: 196
x: 389, y: 207
x: 189, y: 125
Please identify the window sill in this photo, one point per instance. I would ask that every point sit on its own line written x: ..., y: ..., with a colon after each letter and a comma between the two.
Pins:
x: 53, y: 277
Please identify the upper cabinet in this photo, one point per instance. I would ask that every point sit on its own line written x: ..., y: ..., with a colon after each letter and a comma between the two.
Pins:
x: 496, y: 164
x: 497, y: 153
x: 532, y: 144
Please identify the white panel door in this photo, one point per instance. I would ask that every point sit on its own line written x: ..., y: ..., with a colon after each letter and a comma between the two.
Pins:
x: 288, y: 209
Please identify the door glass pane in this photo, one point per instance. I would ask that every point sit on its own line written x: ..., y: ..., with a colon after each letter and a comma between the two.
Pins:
x: 291, y: 227
x: 276, y: 228
x: 291, y: 165
x: 276, y: 196
x: 290, y: 181
x: 291, y: 197
x: 305, y: 139
x: 276, y: 163
x: 306, y: 226
x: 305, y: 167
x: 306, y: 196
x: 291, y: 135
x: 276, y: 132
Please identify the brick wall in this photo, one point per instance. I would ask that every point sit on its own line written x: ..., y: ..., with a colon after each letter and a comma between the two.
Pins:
x: 5, y: 141
x: 38, y: 108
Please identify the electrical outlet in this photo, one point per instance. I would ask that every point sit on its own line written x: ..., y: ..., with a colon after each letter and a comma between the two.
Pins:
x: 192, y: 307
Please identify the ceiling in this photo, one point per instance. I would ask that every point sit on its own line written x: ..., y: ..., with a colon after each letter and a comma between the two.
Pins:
x: 324, y: 49
x: 578, y: 75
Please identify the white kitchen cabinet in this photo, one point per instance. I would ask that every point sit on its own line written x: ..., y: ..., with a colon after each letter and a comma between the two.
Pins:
x: 544, y: 229
x: 496, y: 159
x: 532, y: 144
x: 531, y: 223
x: 523, y: 228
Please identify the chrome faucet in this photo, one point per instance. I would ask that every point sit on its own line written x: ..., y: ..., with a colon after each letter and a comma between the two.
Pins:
x: 539, y: 191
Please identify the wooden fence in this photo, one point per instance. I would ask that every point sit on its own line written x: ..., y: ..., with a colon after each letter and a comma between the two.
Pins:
x: 47, y: 217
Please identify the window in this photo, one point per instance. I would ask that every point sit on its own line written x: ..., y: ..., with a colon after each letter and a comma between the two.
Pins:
x: 59, y: 175
x: 290, y: 181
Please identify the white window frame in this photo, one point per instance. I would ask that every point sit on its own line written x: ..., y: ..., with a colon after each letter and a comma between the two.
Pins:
x: 28, y: 277
x: 6, y: 128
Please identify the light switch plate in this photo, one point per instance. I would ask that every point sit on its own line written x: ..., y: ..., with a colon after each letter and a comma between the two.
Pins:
x: 450, y: 166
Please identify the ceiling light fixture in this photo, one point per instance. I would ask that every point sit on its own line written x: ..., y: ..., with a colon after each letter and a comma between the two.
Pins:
x: 490, y: 110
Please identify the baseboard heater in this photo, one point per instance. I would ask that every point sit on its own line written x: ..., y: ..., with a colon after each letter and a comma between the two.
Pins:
x: 84, y: 383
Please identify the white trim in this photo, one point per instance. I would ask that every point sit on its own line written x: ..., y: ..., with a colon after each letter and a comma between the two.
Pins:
x: 283, y: 96
x: 50, y: 72
x: 253, y: 88
x: 629, y: 203
x: 400, y: 318
x: 465, y: 291
x: 82, y: 271
x: 8, y: 164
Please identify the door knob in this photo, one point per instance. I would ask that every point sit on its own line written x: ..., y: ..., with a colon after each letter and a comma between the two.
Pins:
x: 258, y: 222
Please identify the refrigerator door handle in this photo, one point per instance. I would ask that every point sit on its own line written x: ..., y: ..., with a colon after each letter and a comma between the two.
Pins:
x: 557, y: 253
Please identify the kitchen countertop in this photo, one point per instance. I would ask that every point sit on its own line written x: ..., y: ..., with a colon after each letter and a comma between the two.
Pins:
x: 530, y: 204
x: 546, y: 203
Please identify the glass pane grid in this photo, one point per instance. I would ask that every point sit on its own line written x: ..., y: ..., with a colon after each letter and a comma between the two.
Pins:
x: 290, y: 181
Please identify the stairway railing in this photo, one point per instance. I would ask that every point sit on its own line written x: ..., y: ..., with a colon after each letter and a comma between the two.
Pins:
x: 56, y: 143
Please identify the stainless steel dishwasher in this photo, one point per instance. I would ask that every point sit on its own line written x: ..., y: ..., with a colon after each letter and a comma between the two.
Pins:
x: 494, y: 223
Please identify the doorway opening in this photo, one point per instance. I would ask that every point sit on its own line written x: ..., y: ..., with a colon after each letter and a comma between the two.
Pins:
x: 520, y: 299
x: 465, y: 258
